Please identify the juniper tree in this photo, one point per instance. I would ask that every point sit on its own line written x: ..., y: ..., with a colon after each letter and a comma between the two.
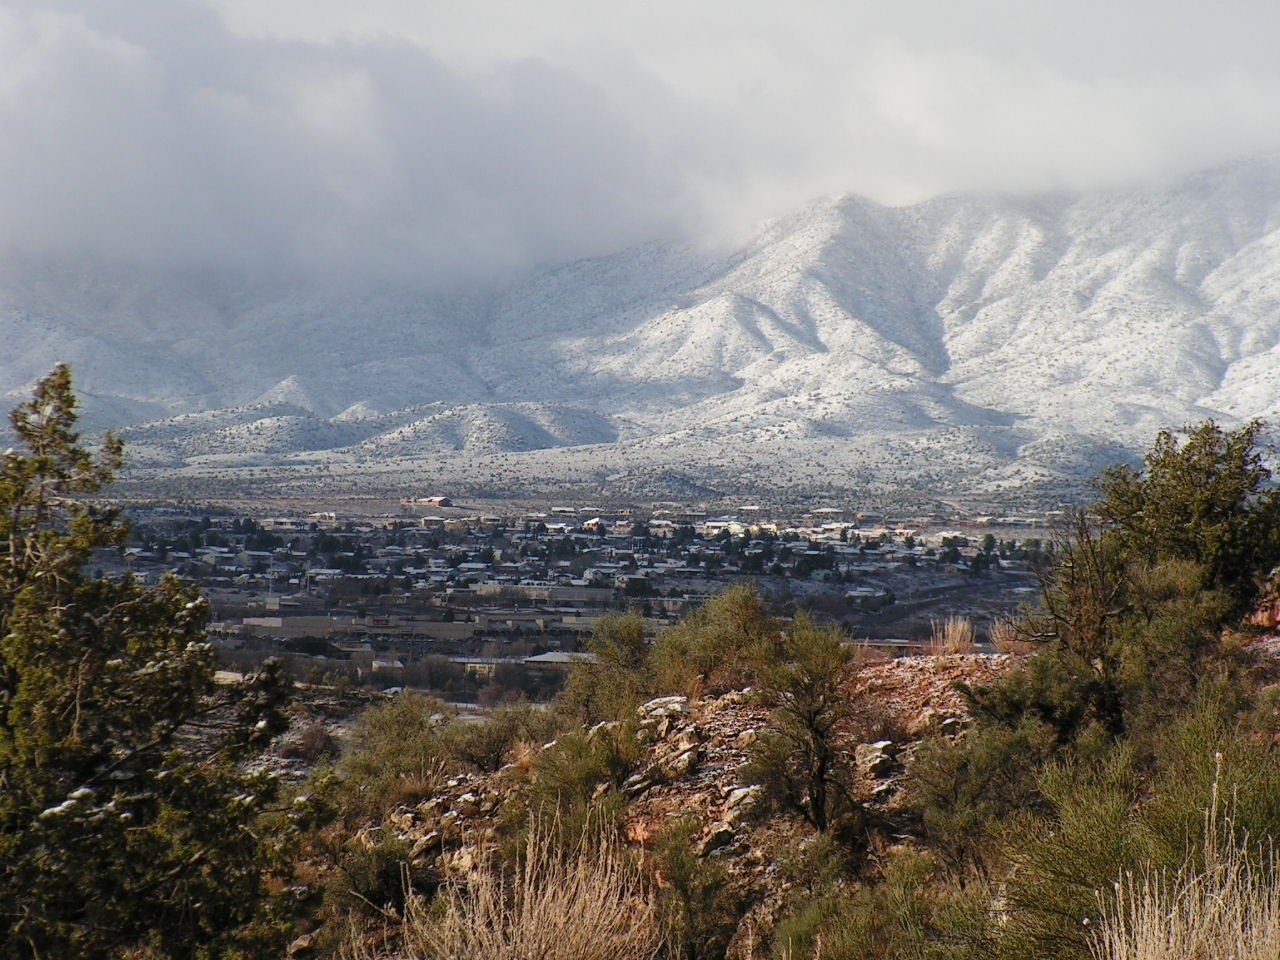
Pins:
x: 1208, y: 500
x: 125, y: 814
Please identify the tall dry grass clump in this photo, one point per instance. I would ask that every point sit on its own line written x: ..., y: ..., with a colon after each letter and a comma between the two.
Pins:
x: 592, y: 904
x: 1225, y: 906
x: 1006, y: 637
x: 952, y: 635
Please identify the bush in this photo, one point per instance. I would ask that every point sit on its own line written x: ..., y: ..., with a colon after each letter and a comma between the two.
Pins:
x: 1208, y: 501
x: 1144, y: 806
x: 962, y: 791
x: 1224, y: 905
x: 910, y: 915
x: 700, y: 906
x: 952, y: 635
x: 804, y: 761
x: 373, y: 876
x: 395, y: 756
x: 619, y: 680
x: 572, y: 790
x: 313, y: 743
x: 717, y: 647
x: 486, y: 744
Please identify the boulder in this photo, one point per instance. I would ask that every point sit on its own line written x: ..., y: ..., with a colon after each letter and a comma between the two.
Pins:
x: 663, y: 707
x: 720, y: 836
x: 877, y: 759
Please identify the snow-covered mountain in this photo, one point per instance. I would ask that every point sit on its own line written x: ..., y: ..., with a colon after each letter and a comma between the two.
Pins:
x: 972, y: 342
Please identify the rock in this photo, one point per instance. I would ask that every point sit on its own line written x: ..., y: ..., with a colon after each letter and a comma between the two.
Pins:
x: 663, y: 707
x: 431, y: 808
x: 742, y: 796
x: 636, y: 784
x: 951, y: 726
x: 639, y: 832
x: 467, y: 805
x: 604, y: 726
x: 722, y: 835
x: 876, y: 759
x: 682, y: 764
x: 300, y: 947
x: 923, y: 723
x: 459, y: 863
x: 884, y: 790
x: 424, y: 843
x: 740, y: 802
x: 689, y: 738
x: 746, y: 738
x: 449, y: 827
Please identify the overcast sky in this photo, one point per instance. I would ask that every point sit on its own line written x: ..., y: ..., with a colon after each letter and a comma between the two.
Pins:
x: 428, y: 140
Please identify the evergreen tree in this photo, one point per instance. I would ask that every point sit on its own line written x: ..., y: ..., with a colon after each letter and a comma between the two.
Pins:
x: 1208, y: 500
x: 125, y: 814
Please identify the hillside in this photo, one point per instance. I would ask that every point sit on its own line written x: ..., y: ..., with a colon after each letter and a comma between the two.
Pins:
x: 971, y: 343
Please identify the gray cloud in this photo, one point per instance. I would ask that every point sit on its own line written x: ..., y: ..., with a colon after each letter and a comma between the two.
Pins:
x: 395, y: 140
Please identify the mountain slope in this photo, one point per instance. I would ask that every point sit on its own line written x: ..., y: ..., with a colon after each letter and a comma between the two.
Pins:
x: 972, y: 342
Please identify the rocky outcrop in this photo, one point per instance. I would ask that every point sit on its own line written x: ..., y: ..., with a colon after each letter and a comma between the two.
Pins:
x: 693, y: 767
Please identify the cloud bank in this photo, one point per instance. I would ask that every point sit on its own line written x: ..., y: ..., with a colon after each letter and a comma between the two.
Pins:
x: 402, y: 142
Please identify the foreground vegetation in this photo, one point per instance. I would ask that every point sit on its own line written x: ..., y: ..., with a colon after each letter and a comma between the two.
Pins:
x: 1115, y: 796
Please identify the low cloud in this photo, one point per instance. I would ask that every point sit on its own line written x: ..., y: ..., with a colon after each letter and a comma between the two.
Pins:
x: 434, y: 143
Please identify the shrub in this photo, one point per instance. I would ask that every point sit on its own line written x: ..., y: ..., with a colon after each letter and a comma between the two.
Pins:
x: 804, y: 760
x: 1207, y: 500
x: 700, y: 906
x: 573, y: 786
x: 487, y: 743
x: 1008, y: 635
x: 953, y: 635
x: 373, y: 876
x: 1143, y: 806
x: 962, y: 791
x: 395, y: 756
x: 717, y: 647
x: 910, y: 915
x: 313, y: 743
x: 619, y: 680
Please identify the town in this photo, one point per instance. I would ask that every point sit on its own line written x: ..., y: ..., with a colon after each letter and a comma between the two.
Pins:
x: 486, y: 606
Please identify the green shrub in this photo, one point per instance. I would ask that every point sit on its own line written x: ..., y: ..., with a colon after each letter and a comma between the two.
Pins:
x: 572, y: 790
x: 962, y: 791
x: 717, y: 647
x: 804, y: 760
x: 396, y: 756
x: 1143, y: 808
x: 618, y: 681
x: 911, y: 914
x: 485, y: 744
x: 374, y: 875
x: 571, y: 770
x: 700, y: 904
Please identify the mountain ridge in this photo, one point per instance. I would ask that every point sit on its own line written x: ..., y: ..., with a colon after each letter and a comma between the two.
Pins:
x: 984, y: 335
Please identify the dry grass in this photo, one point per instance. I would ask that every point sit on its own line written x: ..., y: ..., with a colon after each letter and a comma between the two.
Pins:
x: 1006, y: 637
x: 953, y: 635
x: 1226, y: 908
x: 591, y: 905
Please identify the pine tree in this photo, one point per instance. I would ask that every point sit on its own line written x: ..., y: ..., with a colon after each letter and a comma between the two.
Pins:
x: 125, y: 812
